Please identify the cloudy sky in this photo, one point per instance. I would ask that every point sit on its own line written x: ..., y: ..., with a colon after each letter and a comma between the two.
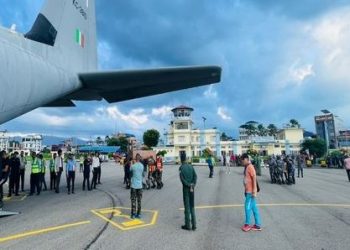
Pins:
x: 280, y: 59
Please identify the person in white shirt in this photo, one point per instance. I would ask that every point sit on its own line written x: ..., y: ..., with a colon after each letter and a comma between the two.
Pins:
x: 58, y: 169
x: 23, y: 163
x: 228, y: 163
x: 95, y: 169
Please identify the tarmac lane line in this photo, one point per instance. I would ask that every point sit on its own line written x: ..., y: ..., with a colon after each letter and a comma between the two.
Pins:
x: 42, y: 231
x: 274, y: 205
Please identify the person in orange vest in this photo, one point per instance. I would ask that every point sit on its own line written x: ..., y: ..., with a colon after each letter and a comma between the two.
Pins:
x: 159, y: 172
x: 152, y: 171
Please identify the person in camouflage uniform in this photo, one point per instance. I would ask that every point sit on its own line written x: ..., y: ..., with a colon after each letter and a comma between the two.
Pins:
x: 188, y: 179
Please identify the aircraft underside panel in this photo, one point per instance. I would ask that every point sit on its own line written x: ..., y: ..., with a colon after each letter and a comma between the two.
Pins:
x: 125, y: 85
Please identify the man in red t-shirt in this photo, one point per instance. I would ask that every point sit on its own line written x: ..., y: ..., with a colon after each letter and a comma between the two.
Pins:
x: 250, y: 191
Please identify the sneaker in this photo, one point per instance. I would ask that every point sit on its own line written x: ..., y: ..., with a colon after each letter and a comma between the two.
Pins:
x: 184, y: 227
x: 246, y: 228
x: 132, y: 216
x: 256, y: 228
x: 138, y: 216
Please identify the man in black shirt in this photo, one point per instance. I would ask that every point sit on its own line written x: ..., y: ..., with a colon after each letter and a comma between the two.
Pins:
x: 14, y: 174
x: 87, y: 163
x: 4, y: 172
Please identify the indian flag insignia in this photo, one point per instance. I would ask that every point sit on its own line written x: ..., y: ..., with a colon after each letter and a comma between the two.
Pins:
x: 79, y: 38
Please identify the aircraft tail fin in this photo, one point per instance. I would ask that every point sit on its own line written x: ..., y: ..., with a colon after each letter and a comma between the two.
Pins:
x: 70, y: 27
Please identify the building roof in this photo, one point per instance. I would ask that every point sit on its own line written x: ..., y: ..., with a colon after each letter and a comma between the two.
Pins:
x: 181, y: 107
x: 100, y: 149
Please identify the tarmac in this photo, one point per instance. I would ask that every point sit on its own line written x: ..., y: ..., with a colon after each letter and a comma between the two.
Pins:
x: 313, y: 214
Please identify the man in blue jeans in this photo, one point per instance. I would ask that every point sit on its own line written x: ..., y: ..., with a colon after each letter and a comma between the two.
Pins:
x: 250, y: 186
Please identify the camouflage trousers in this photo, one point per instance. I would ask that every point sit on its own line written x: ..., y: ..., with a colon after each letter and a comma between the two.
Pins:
x: 136, y: 196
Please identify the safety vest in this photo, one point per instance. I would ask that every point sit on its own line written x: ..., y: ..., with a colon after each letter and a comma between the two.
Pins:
x: 43, y: 166
x: 52, y: 165
x: 159, y: 164
x: 152, y: 168
x: 35, y: 167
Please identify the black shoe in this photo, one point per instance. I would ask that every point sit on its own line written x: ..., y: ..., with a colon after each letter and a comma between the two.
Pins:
x: 73, y: 192
x: 37, y: 193
x: 184, y: 227
x: 68, y: 192
x: 9, y: 195
x: 16, y: 194
x: 31, y: 194
x: 194, y: 228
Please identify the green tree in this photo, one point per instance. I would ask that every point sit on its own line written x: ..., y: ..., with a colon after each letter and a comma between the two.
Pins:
x: 261, y: 130
x: 121, y: 142
x: 162, y: 153
x: 272, y: 130
x: 151, y: 138
x: 315, y: 146
x: 294, y: 123
x: 206, y: 153
x: 99, y: 141
x: 224, y: 137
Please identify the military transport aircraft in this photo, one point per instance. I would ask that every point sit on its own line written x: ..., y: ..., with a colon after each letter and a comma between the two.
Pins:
x: 56, y: 63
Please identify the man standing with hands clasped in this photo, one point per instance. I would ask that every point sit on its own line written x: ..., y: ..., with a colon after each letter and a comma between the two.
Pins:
x: 251, y: 189
x: 188, y: 178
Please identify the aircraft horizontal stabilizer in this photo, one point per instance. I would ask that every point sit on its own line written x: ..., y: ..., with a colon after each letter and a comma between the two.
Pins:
x: 125, y: 85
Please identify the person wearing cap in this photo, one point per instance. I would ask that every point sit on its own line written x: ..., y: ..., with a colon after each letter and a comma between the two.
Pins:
x: 188, y: 179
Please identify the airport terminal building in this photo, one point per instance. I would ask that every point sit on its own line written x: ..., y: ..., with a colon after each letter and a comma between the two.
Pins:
x: 182, y: 137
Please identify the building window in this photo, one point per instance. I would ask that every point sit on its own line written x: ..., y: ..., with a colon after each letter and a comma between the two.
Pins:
x: 181, y: 138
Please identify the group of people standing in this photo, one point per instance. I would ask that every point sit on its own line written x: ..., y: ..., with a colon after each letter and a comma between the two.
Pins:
x: 282, y: 168
x: 152, y: 172
x: 13, y: 168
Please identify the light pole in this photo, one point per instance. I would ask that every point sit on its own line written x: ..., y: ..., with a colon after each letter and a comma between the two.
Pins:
x: 204, y: 119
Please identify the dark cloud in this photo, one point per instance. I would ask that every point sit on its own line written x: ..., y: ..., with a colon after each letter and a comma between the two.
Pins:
x: 300, y: 9
x: 256, y: 43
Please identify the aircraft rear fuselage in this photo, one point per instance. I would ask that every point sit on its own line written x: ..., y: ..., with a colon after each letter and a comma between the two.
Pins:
x: 32, y: 74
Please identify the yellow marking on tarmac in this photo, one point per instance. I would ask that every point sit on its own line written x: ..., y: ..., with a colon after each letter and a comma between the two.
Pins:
x: 42, y: 231
x: 15, y: 198
x: 7, y: 198
x: 276, y: 205
x: 128, y: 225
x: 132, y: 223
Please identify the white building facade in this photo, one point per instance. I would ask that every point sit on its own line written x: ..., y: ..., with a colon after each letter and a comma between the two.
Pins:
x: 4, y: 141
x: 182, y: 137
x: 32, y: 143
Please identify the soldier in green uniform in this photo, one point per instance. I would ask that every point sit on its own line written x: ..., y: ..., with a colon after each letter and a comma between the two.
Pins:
x: 188, y: 178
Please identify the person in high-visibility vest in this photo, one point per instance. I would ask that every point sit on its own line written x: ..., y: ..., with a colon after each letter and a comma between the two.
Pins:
x: 53, y: 172
x: 35, y: 175
x: 159, y: 171
x: 42, y: 164
x: 152, y: 171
